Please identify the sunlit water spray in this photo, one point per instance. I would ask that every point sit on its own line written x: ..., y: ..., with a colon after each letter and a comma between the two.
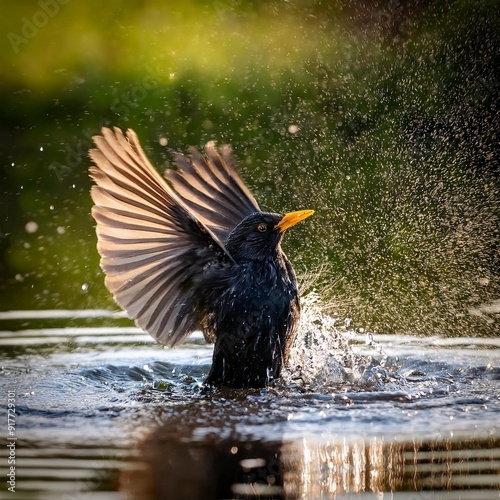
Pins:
x: 323, y: 357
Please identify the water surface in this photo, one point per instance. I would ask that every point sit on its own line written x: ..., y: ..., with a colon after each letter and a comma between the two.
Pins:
x: 103, y: 412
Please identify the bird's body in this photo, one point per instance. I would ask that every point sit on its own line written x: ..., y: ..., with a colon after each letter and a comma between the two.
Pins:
x: 199, y: 254
x: 258, y: 303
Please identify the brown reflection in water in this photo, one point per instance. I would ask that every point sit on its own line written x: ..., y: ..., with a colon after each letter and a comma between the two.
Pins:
x: 202, y: 465
x: 206, y: 469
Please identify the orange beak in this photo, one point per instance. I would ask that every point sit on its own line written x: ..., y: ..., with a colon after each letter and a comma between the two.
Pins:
x: 292, y: 218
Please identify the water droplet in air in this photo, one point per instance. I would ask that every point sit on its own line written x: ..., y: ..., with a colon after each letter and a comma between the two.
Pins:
x: 31, y: 227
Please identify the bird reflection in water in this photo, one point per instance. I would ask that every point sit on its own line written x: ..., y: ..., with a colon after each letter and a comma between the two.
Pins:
x: 197, y: 466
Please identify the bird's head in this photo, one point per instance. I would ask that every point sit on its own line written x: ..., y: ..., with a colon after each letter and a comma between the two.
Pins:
x: 258, y: 235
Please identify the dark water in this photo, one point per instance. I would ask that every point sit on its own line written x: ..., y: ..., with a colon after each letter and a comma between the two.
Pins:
x: 102, y: 412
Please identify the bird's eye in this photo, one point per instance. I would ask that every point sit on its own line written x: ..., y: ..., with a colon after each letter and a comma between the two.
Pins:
x: 262, y: 228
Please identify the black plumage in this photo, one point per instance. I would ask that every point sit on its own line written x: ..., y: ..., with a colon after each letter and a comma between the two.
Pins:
x: 196, y: 254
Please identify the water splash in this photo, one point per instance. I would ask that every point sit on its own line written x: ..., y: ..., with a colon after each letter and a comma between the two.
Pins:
x: 323, y: 358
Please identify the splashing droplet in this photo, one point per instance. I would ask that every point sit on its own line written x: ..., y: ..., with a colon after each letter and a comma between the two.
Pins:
x: 31, y: 227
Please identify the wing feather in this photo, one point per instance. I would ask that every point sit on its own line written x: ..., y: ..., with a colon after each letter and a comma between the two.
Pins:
x: 212, y: 189
x: 154, y: 249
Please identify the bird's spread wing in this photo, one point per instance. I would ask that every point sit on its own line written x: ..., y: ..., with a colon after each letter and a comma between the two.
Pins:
x: 153, y: 249
x: 212, y: 189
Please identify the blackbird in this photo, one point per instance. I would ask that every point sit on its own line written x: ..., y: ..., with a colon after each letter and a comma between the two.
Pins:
x: 196, y: 253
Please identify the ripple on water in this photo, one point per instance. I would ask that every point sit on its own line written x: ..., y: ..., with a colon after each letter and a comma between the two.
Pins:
x: 392, y: 398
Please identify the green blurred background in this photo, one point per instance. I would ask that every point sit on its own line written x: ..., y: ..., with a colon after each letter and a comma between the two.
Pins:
x: 383, y: 117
